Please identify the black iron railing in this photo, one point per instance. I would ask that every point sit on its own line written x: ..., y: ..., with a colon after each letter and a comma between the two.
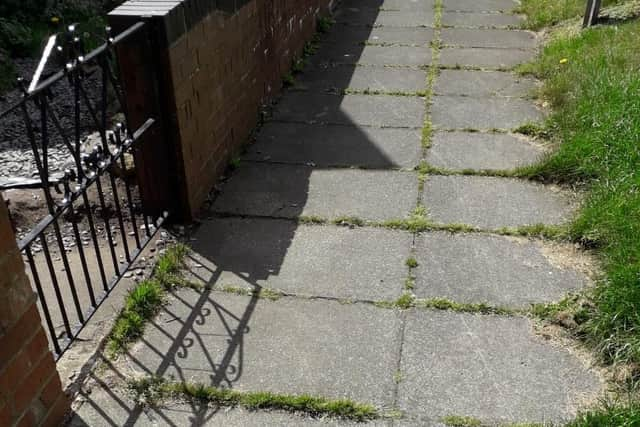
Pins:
x: 96, y: 224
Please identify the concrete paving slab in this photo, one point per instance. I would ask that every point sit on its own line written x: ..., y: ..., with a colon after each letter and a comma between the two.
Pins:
x: 481, y: 20
x: 501, y: 271
x: 337, y: 78
x: 372, y: 110
x: 337, y: 145
x: 480, y: 151
x: 456, y: 112
x: 312, y: 261
x: 490, y: 203
x: 104, y: 400
x: 480, y: 5
x: 288, y: 191
x: 346, y: 34
x: 489, y: 367
x: 483, y: 83
x: 185, y: 415
x: 467, y: 37
x: 292, y: 346
x: 348, y: 53
x: 418, y: 17
x: 484, y: 58
x: 415, y: 5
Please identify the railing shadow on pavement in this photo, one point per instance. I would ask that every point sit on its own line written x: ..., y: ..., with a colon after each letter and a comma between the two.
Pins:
x: 204, y: 315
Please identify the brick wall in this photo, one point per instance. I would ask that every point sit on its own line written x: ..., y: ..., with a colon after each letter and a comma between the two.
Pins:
x: 221, y: 68
x: 30, y: 389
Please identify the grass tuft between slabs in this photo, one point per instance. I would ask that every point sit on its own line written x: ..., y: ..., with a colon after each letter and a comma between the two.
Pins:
x: 144, y: 301
x: 153, y: 389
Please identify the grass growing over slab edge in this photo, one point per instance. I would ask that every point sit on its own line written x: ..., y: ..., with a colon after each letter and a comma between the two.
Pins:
x: 153, y: 389
x: 144, y: 301
x: 591, y: 79
x: 592, y: 82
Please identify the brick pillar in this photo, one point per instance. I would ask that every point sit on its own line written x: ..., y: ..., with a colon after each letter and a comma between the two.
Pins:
x: 30, y: 389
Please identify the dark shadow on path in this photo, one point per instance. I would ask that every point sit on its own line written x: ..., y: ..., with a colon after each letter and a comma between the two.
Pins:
x: 190, y: 324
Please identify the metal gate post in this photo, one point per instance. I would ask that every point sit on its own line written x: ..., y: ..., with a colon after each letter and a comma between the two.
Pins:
x: 592, y: 13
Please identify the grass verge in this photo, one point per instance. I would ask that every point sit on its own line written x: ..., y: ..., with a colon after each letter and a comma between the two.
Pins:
x: 149, y: 390
x: 591, y: 80
x: 144, y: 301
x: 544, y: 13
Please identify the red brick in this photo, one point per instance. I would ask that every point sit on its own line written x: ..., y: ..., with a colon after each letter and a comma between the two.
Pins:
x: 14, y: 373
x: 52, y: 391
x: 29, y: 389
x: 5, y: 414
x: 57, y: 414
x: 27, y: 420
x: 14, y: 339
x: 38, y: 346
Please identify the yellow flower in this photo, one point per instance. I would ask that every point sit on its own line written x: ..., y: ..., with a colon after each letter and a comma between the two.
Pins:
x: 55, y: 19
x: 564, y: 60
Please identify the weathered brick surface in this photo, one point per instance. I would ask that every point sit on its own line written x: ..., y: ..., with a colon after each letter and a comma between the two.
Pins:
x: 219, y: 73
x: 30, y: 389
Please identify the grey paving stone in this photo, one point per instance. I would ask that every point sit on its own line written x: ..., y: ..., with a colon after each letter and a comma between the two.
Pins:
x: 291, y: 346
x: 373, y: 110
x: 491, y: 203
x: 489, y: 367
x: 335, y: 78
x: 326, y: 261
x: 483, y: 83
x: 185, y: 415
x: 480, y: 5
x: 457, y: 112
x: 489, y: 20
x: 290, y: 191
x: 416, y: 5
x: 345, y: 34
x: 337, y: 145
x: 395, y: 18
x: 500, y: 271
x: 484, y: 58
x: 349, y: 53
x: 105, y: 401
x: 467, y: 37
x: 480, y: 151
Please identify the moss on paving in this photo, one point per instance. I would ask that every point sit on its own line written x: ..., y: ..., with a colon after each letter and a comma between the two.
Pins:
x: 154, y: 389
x: 460, y: 421
x: 266, y: 293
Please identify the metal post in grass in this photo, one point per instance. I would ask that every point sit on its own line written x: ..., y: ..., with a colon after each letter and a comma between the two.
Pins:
x: 592, y: 13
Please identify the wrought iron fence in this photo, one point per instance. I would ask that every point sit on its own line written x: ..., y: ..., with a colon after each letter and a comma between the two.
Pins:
x: 95, y: 224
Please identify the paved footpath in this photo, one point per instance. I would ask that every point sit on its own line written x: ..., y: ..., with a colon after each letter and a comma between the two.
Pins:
x: 309, y: 213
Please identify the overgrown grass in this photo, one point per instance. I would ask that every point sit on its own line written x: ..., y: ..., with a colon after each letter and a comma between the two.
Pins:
x: 544, y: 13
x: 459, y: 421
x: 149, y: 390
x: 619, y: 415
x: 144, y: 301
x: 592, y: 80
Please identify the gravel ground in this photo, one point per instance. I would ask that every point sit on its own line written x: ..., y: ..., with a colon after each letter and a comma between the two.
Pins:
x: 17, y: 162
